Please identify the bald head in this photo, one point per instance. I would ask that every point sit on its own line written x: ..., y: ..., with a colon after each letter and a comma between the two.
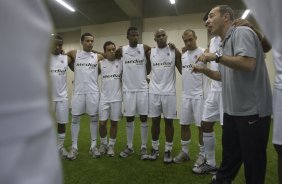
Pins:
x: 161, y: 38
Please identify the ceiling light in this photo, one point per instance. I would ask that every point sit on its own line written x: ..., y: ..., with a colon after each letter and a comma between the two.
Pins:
x: 245, y: 14
x: 172, y: 1
x: 66, y: 5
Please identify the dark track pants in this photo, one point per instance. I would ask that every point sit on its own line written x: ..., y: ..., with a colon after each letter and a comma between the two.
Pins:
x: 244, y: 140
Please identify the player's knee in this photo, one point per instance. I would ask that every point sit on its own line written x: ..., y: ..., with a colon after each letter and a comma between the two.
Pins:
x: 75, y: 119
x: 94, y: 119
x: 143, y: 118
x: 207, y: 126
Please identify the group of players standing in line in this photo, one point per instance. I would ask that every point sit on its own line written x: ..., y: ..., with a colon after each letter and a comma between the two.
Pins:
x: 124, y: 78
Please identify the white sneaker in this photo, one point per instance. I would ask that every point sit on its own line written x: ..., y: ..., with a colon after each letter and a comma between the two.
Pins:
x: 181, y: 157
x: 72, y: 154
x: 204, y: 169
x: 63, y: 152
x: 103, y: 149
x: 144, y: 154
x: 94, y: 152
x: 126, y: 152
x: 200, y: 160
x: 168, y: 157
x: 111, y: 151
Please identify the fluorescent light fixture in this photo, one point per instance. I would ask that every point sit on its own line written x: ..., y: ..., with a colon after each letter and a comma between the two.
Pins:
x: 245, y: 14
x: 172, y: 1
x: 66, y: 5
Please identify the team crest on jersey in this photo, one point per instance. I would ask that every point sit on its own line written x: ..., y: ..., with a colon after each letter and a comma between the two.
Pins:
x: 139, y: 52
x: 92, y: 57
x: 195, y: 57
x: 167, y: 54
x: 116, y: 66
x: 62, y: 61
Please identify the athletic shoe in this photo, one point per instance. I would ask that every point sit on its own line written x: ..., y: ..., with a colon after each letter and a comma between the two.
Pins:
x: 204, y: 169
x: 103, y: 149
x: 63, y: 152
x: 126, y: 152
x: 167, y: 157
x: 154, y: 154
x: 94, y: 152
x: 200, y: 160
x: 144, y: 154
x: 72, y: 154
x: 111, y: 151
x: 181, y: 157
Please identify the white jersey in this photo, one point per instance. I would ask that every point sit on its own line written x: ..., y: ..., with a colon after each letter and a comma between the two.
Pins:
x: 111, y: 80
x: 58, y: 71
x: 134, y: 68
x: 271, y: 28
x: 163, y: 71
x: 24, y: 102
x: 193, y: 84
x: 85, y: 73
x: 215, y: 43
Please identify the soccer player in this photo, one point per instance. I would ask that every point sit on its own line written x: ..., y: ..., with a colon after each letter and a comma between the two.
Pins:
x: 111, y: 98
x: 194, y: 86
x: 28, y: 152
x: 162, y: 94
x: 135, y: 89
x: 85, y: 97
x: 58, y: 71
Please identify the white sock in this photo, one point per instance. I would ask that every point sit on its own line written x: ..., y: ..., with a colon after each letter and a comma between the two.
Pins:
x: 202, y: 150
x: 104, y: 140
x: 61, y: 140
x: 185, y: 145
x: 93, y: 130
x: 209, y: 142
x: 112, y: 142
x: 155, y: 145
x: 75, y: 126
x: 144, y: 134
x: 129, y: 133
x: 168, y: 146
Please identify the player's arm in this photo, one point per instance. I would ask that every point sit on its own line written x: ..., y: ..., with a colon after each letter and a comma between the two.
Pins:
x: 148, y: 64
x: 146, y: 48
x: 71, y: 58
x: 178, y: 62
x: 215, y: 75
x: 100, y: 58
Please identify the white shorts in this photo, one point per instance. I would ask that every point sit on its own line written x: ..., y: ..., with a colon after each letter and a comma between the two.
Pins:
x: 165, y: 104
x: 31, y: 159
x: 110, y: 109
x: 135, y: 103
x: 85, y: 103
x: 213, y: 110
x: 61, y: 110
x: 277, y: 116
x: 191, y: 111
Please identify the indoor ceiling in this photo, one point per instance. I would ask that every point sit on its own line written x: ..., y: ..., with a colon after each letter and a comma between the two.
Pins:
x: 90, y: 12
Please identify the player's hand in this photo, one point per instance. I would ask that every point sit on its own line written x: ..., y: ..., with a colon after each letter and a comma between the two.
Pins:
x: 171, y: 46
x: 184, y: 49
x: 206, y: 57
x: 118, y: 53
x: 197, y: 69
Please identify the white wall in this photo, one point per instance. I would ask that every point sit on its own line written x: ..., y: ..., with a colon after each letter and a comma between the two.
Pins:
x: 174, y: 26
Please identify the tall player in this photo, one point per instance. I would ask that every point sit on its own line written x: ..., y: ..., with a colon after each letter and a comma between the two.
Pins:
x: 192, y: 98
x: 162, y: 94
x: 135, y: 89
x: 111, y: 98
x: 85, y: 97
x: 58, y: 71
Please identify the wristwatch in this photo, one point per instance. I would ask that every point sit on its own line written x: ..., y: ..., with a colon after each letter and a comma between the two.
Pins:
x: 218, y: 55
